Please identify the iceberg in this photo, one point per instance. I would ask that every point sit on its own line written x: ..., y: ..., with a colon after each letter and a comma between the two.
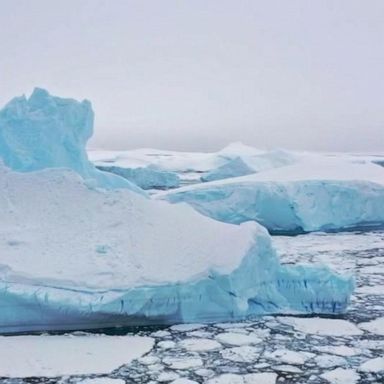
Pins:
x: 77, y: 257
x: 145, y: 177
x: 314, y: 194
x: 44, y: 131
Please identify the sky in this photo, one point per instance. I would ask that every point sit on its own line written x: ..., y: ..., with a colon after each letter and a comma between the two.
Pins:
x: 196, y: 75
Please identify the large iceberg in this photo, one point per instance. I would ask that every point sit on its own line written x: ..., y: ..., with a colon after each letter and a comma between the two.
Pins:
x: 44, y: 131
x: 316, y: 194
x: 74, y: 256
x: 144, y: 177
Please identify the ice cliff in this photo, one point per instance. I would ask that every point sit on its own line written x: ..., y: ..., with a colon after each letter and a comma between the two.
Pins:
x: 74, y: 256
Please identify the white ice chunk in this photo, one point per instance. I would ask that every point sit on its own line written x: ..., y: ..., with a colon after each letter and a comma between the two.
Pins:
x: 374, y: 326
x: 373, y: 365
x: 341, y: 376
x: 321, y: 326
x: 27, y: 356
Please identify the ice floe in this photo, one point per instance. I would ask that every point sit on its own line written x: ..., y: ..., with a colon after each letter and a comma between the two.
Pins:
x: 52, y: 356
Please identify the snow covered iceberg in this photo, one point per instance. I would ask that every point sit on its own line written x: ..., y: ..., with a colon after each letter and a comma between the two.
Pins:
x: 145, y: 177
x: 44, y: 131
x: 74, y: 256
x: 315, y: 194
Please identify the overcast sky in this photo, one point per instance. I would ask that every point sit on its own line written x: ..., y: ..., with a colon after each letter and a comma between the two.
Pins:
x: 198, y: 74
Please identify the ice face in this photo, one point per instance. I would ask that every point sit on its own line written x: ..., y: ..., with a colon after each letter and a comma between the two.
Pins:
x: 44, y: 131
x: 145, y: 177
x: 315, y: 194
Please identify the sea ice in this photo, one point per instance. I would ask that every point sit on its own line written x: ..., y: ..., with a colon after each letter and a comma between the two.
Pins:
x: 373, y: 365
x: 199, y: 345
x: 32, y: 356
x: 101, y: 380
x: 341, y: 376
x: 289, y: 357
x: 237, y: 339
x: 329, y: 361
x: 244, y: 354
x: 374, y: 326
x: 320, y: 326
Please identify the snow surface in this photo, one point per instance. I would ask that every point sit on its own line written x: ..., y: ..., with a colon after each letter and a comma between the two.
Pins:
x: 52, y: 356
x: 316, y: 193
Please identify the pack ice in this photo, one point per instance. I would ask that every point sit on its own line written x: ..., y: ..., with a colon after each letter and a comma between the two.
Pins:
x: 75, y: 256
x: 316, y: 193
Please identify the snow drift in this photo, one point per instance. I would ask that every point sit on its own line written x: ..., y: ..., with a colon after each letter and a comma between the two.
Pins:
x: 75, y: 256
x: 317, y: 193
